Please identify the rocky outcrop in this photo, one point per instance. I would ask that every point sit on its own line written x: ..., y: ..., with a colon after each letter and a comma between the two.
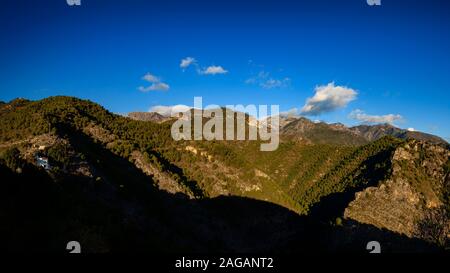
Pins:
x: 393, y: 205
x: 415, y: 189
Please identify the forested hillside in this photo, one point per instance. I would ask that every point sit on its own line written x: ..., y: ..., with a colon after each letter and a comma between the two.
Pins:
x: 111, y: 174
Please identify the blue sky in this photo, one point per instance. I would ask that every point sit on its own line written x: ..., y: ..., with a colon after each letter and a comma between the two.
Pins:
x: 358, y: 63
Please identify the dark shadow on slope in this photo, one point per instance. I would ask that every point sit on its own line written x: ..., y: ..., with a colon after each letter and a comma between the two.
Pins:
x: 173, y: 169
x: 354, y: 236
x: 333, y: 205
x: 124, y: 212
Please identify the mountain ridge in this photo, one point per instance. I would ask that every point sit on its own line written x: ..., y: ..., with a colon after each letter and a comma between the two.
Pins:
x: 119, y: 162
x: 302, y: 128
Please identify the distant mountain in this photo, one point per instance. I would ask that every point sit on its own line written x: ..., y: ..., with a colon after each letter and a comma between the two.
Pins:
x: 147, y: 116
x: 116, y: 184
x: 301, y: 128
x: 320, y: 133
x: 374, y: 132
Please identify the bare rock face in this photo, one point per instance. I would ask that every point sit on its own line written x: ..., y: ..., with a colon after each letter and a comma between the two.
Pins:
x: 147, y: 116
x: 416, y: 188
x: 393, y: 205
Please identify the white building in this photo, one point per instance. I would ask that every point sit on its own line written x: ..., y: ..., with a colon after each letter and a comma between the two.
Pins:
x: 42, y: 161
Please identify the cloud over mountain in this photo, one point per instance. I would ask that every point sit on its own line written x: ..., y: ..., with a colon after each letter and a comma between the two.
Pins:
x: 167, y: 111
x: 290, y: 112
x: 361, y: 116
x: 328, y: 98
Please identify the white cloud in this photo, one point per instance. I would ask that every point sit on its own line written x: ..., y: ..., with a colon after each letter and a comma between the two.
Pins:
x: 169, y: 110
x: 361, y: 116
x: 210, y: 70
x: 275, y: 83
x: 151, y: 78
x: 186, y: 62
x: 156, y: 84
x: 411, y: 129
x: 159, y: 86
x: 328, y: 98
x: 264, y: 80
x: 213, y: 70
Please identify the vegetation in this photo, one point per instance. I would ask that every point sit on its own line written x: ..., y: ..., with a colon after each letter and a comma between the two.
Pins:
x: 298, y: 175
x: 11, y: 158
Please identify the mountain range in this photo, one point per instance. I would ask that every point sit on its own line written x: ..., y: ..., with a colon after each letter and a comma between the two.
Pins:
x: 297, y: 127
x: 122, y: 184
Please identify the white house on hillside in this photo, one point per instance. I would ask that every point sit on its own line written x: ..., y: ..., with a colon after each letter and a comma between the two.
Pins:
x: 42, y: 161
